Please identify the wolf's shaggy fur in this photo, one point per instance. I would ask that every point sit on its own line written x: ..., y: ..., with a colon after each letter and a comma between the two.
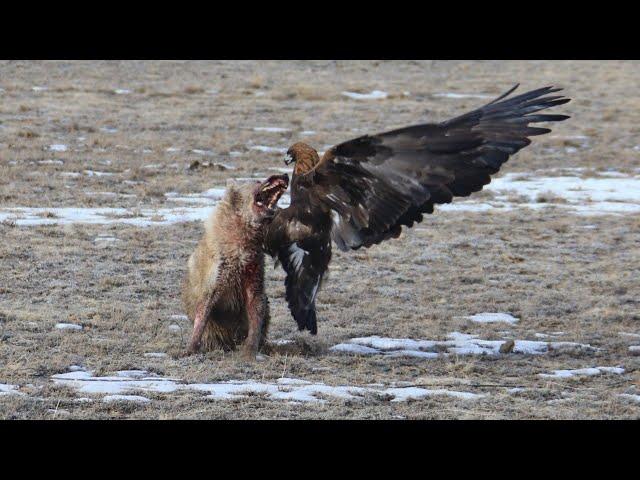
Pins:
x: 223, y: 292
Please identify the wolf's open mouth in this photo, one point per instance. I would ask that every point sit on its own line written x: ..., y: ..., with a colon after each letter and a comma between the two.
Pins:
x: 271, y: 190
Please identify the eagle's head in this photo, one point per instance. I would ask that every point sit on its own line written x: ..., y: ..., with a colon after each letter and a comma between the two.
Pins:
x: 304, y: 156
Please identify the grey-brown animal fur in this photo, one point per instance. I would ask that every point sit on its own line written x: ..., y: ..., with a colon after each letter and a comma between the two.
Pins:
x: 223, y: 292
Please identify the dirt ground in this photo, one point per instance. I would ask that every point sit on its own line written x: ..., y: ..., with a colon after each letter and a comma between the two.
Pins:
x: 124, y: 135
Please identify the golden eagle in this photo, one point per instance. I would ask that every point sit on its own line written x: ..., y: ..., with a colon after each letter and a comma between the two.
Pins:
x: 363, y: 191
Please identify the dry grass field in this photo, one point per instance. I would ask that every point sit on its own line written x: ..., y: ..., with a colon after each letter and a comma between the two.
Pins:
x: 107, y: 168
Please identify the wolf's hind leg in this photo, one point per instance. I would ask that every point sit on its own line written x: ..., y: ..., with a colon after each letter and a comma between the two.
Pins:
x: 199, y: 324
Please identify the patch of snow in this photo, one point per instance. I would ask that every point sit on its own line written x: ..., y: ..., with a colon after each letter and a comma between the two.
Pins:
x: 7, y: 389
x: 383, y: 343
x: 471, y: 206
x: 94, y: 173
x: 627, y: 334
x: 103, y: 194
x: 50, y: 162
x: 629, y: 396
x: 27, y: 216
x: 292, y: 381
x: 634, y: 348
x: 125, y: 398
x: 202, y: 152
x: 172, y: 149
x: 267, y: 149
x: 373, y: 95
x: 271, y: 129
x: 58, y: 147
x: 85, y: 382
x: 280, y: 169
x: 613, y: 174
x: 284, y: 389
x: 406, y: 393
x: 179, y: 317
x: 456, y: 344
x: 155, y: 355
x: 573, y: 189
x: 492, y: 318
x: 412, y: 353
x: 132, y: 373
x: 588, y: 196
x: 68, y: 326
x: 582, y: 372
x: 121, y: 91
x: 39, y: 89
x: 355, y: 349
x: 105, y: 239
x: 174, y: 328
x: 307, y: 132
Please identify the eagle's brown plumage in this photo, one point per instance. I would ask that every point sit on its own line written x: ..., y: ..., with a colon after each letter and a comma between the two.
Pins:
x: 361, y: 192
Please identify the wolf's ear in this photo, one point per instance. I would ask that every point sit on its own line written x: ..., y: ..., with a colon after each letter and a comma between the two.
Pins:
x: 233, y: 194
x: 232, y: 188
x: 231, y: 183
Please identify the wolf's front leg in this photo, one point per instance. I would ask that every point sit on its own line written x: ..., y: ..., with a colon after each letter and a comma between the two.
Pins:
x: 256, y: 314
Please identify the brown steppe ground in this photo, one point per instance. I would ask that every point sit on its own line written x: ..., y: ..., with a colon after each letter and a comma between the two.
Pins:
x: 539, y: 265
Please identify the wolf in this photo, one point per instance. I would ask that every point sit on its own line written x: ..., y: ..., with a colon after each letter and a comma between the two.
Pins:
x: 223, y: 291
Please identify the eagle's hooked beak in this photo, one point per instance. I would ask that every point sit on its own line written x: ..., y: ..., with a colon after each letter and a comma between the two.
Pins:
x: 288, y: 159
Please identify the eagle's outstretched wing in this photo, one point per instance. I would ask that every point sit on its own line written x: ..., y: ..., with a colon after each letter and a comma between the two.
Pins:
x: 364, y: 190
x: 378, y: 183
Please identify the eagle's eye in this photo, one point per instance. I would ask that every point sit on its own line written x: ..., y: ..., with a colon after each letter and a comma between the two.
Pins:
x: 288, y: 159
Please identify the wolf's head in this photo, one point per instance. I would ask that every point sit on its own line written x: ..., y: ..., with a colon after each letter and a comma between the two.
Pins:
x: 257, y: 202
